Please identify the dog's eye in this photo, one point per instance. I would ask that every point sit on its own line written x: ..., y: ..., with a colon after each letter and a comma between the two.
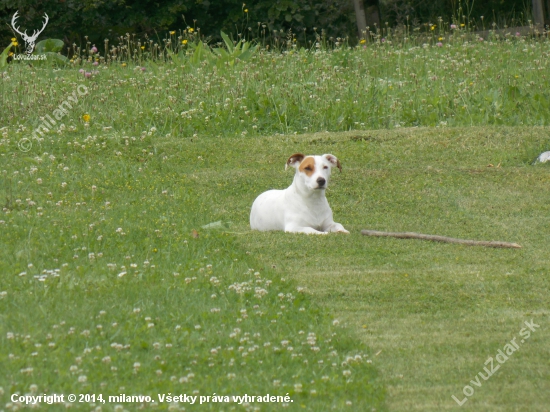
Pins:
x: 326, y: 167
x: 308, y: 168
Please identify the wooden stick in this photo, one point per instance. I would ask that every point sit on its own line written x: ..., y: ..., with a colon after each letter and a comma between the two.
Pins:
x: 436, y: 238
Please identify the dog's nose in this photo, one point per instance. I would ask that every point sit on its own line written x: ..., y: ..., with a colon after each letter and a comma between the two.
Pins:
x: 321, y: 181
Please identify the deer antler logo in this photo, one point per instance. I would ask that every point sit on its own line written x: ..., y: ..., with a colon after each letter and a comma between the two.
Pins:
x: 29, y: 40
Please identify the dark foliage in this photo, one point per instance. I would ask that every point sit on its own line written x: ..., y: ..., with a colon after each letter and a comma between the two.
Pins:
x: 70, y: 20
x: 510, y: 12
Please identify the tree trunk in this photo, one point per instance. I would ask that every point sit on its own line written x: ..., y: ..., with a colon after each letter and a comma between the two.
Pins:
x: 538, y: 13
x: 360, y: 17
x: 373, y: 13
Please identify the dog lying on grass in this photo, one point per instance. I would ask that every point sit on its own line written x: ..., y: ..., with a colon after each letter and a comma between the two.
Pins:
x: 302, y: 207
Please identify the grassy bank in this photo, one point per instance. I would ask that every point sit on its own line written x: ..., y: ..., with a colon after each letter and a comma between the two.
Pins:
x: 111, y: 286
x: 461, y: 83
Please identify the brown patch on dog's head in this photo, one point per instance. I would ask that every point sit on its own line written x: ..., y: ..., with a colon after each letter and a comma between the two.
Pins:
x: 308, y: 166
x: 296, y: 158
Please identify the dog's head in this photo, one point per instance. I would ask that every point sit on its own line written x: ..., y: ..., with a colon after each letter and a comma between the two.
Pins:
x: 313, y: 172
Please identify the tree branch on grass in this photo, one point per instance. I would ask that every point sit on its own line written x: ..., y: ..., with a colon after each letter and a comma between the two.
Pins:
x: 436, y: 238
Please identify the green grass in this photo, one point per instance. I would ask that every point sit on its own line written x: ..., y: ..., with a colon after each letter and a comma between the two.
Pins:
x: 106, y: 288
x: 432, y: 313
x: 110, y: 284
x: 381, y: 86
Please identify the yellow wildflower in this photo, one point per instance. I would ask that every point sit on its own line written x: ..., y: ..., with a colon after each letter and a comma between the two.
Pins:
x: 13, y: 39
x: 190, y: 29
x: 142, y: 47
x: 173, y: 32
x: 184, y: 41
x: 432, y: 27
x: 86, y: 117
x: 363, y: 41
x: 246, y: 10
x: 15, y: 43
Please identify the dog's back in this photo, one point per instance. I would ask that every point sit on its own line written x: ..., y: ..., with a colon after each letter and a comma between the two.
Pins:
x: 267, y: 211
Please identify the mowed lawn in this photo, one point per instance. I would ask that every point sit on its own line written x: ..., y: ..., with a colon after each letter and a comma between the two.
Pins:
x: 111, y: 284
x: 431, y: 313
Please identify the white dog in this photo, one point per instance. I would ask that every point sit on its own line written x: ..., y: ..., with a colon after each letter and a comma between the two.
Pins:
x: 543, y: 158
x: 302, y: 207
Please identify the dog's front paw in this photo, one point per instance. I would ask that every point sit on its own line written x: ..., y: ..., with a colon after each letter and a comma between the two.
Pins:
x: 337, y: 228
x: 306, y: 230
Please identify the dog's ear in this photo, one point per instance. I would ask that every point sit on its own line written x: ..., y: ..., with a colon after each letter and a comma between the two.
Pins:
x: 294, y: 160
x: 333, y: 161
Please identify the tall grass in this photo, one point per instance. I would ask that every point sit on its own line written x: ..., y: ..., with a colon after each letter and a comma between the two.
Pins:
x: 446, y: 81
